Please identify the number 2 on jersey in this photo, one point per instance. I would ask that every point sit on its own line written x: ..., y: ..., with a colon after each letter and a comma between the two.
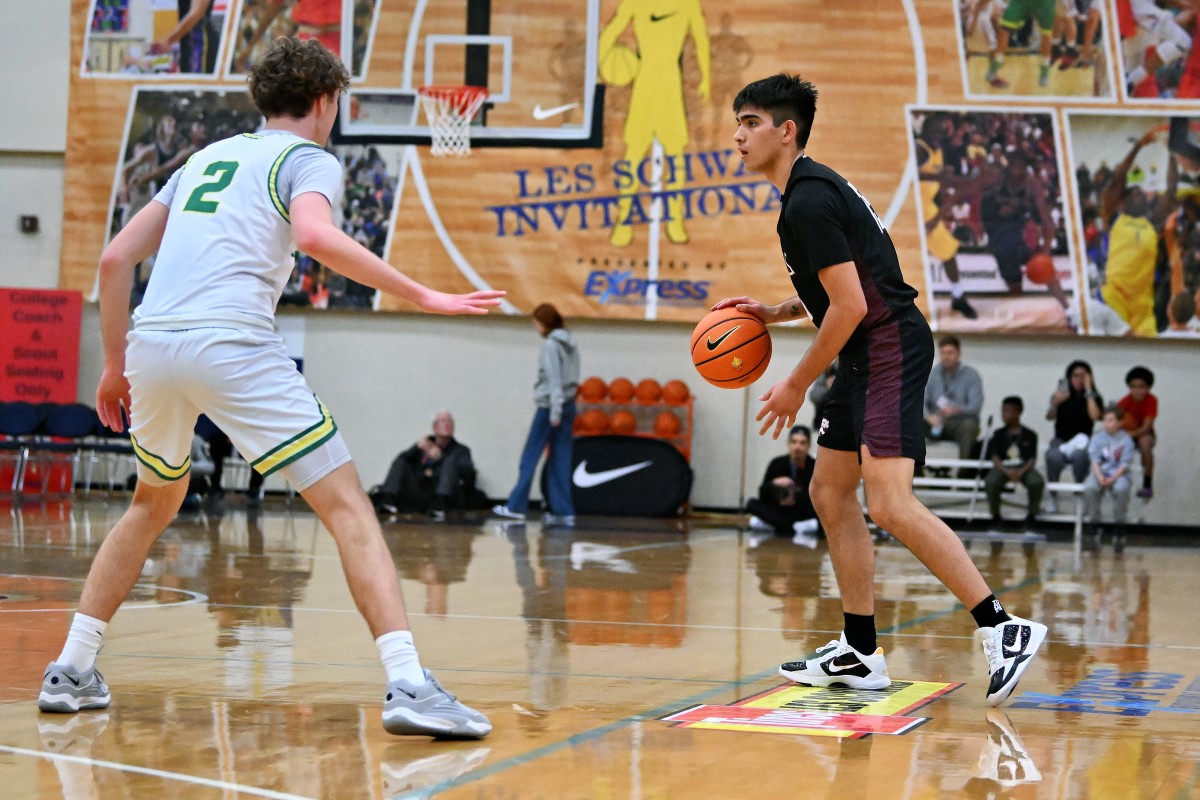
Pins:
x: 197, y: 201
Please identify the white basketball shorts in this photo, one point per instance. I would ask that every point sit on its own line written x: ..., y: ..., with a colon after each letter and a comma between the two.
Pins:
x: 246, y: 384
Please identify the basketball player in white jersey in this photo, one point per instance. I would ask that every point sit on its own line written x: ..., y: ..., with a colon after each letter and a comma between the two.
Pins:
x: 225, y: 227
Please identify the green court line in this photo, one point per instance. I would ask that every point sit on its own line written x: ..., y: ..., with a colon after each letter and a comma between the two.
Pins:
x: 662, y: 710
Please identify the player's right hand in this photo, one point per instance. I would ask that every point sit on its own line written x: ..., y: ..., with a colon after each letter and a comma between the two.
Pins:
x: 747, y: 305
x: 111, y: 395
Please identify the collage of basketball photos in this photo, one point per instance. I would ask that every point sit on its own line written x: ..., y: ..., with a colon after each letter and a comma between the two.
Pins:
x: 1060, y: 196
x: 159, y: 42
x: 1064, y: 197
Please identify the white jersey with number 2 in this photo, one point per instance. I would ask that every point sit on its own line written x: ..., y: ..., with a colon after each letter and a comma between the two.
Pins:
x: 228, y: 248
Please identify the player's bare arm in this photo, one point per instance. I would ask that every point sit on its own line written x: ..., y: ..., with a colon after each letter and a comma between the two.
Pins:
x: 847, y: 307
x: 786, y: 311
x: 316, y: 235
x: 136, y: 242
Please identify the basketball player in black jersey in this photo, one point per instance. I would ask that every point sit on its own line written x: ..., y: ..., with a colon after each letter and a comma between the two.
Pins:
x: 847, y: 278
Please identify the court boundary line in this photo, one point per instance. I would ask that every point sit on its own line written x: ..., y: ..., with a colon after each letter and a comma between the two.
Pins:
x: 155, y: 773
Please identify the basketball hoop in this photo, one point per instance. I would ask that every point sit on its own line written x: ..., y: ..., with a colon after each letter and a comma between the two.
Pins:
x: 449, y: 110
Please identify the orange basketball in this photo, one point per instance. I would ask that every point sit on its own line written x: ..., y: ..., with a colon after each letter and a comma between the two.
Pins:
x: 730, y: 348
x: 624, y: 422
x: 1040, y: 268
x: 648, y: 391
x: 620, y: 390
x: 593, y: 390
x: 667, y: 424
x: 592, y: 422
x: 676, y: 393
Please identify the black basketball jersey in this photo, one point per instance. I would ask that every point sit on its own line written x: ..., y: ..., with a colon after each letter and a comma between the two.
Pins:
x: 825, y: 221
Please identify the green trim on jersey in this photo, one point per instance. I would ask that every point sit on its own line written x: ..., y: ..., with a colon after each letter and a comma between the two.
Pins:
x: 273, y: 178
x: 299, y: 445
x: 251, y: 135
x: 157, y: 464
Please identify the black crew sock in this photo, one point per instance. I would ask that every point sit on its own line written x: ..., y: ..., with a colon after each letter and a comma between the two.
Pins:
x: 860, y: 632
x: 989, y: 613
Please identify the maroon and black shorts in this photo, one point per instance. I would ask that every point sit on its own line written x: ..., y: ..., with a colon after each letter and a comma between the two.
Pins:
x: 878, y: 394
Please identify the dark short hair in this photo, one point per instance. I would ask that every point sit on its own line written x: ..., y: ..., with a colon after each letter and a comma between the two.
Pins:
x: 549, y: 317
x: 784, y: 97
x: 1013, y: 400
x: 1182, y: 307
x: 1139, y: 373
x: 289, y: 79
x: 1115, y: 410
x: 951, y: 340
x: 802, y: 430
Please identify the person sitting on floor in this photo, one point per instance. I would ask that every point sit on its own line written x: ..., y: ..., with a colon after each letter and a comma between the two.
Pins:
x: 783, y: 504
x: 1013, y: 451
x: 435, y: 475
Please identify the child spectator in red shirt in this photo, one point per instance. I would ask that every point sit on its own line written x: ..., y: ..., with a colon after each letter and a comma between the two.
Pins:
x: 1141, y: 407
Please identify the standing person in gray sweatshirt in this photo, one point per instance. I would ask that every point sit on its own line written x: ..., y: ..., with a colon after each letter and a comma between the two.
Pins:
x: 553, y: 423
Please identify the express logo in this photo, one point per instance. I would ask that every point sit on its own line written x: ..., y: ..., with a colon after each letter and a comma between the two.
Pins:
x: 624, y: 288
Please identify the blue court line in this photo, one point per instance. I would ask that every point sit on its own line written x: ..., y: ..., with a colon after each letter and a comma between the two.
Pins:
x: 663, y: 710
x: 1082, y: 701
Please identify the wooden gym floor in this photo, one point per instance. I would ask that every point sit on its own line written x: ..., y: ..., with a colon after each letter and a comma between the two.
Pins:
x: 239, y: 667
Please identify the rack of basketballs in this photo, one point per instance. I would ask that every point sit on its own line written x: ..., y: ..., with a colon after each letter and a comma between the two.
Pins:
x: 649, y: 409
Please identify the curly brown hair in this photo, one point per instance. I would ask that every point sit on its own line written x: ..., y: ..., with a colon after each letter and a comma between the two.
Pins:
x: 293, y: 74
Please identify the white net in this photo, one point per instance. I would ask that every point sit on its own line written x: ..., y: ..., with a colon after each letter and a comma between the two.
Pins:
x: 449, y: 111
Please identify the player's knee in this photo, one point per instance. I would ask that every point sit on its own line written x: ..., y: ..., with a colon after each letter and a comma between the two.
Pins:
x: 885, y: 511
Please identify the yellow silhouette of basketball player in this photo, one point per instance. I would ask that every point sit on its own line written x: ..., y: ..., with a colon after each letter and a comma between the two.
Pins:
x: 656, y: 109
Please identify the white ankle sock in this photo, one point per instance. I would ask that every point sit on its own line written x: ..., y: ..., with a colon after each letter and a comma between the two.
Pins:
x: 83, y: 642
x: 399, y: 657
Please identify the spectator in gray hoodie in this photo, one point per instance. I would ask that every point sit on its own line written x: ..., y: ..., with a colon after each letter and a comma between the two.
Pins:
x: 553, y: 423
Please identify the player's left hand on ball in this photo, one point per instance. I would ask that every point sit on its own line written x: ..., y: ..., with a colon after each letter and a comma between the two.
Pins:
x: 780, y: 404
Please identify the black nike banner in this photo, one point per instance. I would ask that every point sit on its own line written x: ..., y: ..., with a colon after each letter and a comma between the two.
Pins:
x: 627, y: 476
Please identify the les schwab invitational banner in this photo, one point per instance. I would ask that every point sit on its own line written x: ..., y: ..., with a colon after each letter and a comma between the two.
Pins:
x: 974, y: 163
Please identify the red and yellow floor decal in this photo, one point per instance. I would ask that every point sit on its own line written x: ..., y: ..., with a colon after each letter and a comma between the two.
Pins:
x: 814, y: 711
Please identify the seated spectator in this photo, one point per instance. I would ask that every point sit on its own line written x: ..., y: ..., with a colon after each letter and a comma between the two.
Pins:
x: 1180, y: 311
x: 1074, y: 408
x: 435, y: 475
x: 817, y: 392
x: 783, y: 504
x: 198, y: 476
x: 1140, y: 407
x: 1111, y: 454
x: 1013, y: 451
x: 220, y: 449
x: 953, y: 399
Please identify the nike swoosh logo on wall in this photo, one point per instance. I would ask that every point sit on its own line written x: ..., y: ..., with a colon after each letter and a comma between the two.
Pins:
x: 714, y: 345
x: 660, y: 17
x: 586, y: 480
x: 540, y: 113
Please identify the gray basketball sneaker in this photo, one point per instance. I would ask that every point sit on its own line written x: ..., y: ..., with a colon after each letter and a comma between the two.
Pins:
x: 429, y: 710
x: 66, y: 691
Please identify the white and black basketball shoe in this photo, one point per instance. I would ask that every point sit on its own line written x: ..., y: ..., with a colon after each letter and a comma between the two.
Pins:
x: 839, y: 664
x: 1008, y: 647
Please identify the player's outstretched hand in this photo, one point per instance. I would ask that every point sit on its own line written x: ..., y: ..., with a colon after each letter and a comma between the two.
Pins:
x: 111, y: 395
x: 747, y: 305
x: 780, y: 404
x: 473, y: 303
